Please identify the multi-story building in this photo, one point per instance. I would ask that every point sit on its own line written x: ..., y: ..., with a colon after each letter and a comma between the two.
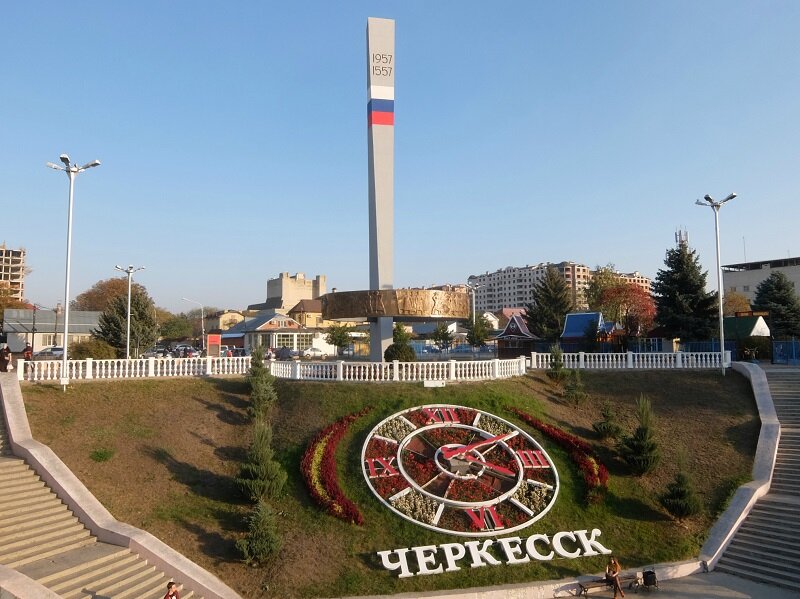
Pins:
x: 637, y: 279
x: 744, y: 278
x: 513, y: 286
x: 12, y: 271
x: 285, y: 291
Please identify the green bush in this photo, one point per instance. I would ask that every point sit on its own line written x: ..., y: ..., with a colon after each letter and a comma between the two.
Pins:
x: 262, y: 539
x: 556, y: 371
x: 261, y: 477
x: 607, y: 428
x: 680, y: 499
x: 574, y: 390
x: 400, y: 351
x: 92, y: 348
x: 102, y: 454
x: 640, y: 450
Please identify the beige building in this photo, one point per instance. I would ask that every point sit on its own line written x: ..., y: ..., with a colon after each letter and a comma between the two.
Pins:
x: 513, y: 286
x: 223, y: 320
x: 12, y: 271
x: 744, y: 278
x: 285, y: 291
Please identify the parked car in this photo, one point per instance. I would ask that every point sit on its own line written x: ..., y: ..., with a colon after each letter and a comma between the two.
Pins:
x: 185, y: 351
x: 158, y: 351
x: 314, y: 352
x: 51, y: 352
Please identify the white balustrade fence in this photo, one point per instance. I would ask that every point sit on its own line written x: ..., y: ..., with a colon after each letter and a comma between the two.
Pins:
x: 453, y: 370
x: 653, y: 361
x: 90, y: 369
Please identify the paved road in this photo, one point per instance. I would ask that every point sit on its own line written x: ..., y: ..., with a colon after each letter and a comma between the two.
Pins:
x: 714, y: 585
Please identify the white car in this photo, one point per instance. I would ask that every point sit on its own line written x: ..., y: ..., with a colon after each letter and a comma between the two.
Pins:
x: 314, y: 352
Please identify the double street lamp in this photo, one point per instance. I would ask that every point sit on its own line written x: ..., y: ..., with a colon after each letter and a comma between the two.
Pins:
x: 72, y: 171
x: 202, y: 321
x: 129, y: 271
x: 715, y: 206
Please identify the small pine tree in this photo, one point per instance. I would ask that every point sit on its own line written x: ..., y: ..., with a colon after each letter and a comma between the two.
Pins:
x: 262, y: 389
x: 556, y: 371
x: 640, y: 450
x: 680, y: 499
x: 574, y: 390
x: 607, y: 428
x: 262, y: 539
x: 261, y: 476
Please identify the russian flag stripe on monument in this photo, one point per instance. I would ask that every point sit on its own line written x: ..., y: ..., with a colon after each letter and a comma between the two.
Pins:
x: 380, y: 112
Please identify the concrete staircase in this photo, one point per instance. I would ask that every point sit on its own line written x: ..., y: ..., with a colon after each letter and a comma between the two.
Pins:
x: 765, y: 546
x: 42, y: 539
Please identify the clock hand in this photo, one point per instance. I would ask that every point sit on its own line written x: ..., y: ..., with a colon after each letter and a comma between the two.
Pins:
x: 449, y: 452
x: 490, y: 465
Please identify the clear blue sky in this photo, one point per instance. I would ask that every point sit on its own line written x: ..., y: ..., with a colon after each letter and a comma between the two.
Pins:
x: 233, y: 138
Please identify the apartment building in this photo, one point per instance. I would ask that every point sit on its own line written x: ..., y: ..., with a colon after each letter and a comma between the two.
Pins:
x: 12, y: 271
x: 745, y: 277
x: 513, y: 286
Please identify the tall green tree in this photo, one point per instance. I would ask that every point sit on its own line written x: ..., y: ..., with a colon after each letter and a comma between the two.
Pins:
x: 111, y: 327
x: 176, y: 327
x: 683, y: 307
x: 442, y: 336
x: 776, y: 294
x: 552, y: 301
x: 339, y: 336
x: 400, y: 335
x: 477, y: 331
x: 604, y: 277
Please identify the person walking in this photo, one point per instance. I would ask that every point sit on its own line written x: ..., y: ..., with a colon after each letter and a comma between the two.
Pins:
x: 5, y: 358
x: 172, y: 591
x: 612, y: 575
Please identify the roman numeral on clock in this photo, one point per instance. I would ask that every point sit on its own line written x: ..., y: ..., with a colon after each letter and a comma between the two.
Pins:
x: 532, y: 458
x: 440, y: 415
x: 485, y: 518
x: 381, y: 467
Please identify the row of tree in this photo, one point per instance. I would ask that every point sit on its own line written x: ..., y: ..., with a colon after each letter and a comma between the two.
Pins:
x: 680, y: 305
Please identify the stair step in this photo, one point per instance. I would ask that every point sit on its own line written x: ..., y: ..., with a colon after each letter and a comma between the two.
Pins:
x: 20, y: 484
x: 36, y: 511
x: 38, y: 538
x: 756, y: 538
x: 24, y: 494
x: 758, y: 572
x: 70, y: 564
x: 51, y: 549
x: 775, y: 525
x: 134, y: 575
x: 98, y: 576
x: 34, y: 528
x: 764, y: 556
x: 23, y: 505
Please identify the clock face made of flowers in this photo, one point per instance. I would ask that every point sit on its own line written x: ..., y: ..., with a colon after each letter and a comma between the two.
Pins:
x: 459, y: 470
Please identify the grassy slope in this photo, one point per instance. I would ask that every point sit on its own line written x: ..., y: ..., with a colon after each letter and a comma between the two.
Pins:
x: 176, y: 444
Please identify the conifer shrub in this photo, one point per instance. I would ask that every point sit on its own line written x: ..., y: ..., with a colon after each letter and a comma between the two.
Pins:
x: 680, y: 498
x: 261, y: 476
x: 401, y: 352
x: 262, y: 539
x: 574, y: 390
x: 607, y: 428
x: 640, y: 450
x: 556, y: 371
x: 262, y: 388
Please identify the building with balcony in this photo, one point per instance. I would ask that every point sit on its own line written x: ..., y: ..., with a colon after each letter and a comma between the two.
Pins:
x: 745, y: 277
x: 12, y: 271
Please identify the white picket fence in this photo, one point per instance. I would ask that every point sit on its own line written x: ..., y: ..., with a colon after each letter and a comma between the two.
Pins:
x: 477, y: 370
x: 633, y: 360
x: 452, y: 370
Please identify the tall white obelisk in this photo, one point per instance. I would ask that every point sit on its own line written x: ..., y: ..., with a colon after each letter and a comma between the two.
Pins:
x: 380, y: 127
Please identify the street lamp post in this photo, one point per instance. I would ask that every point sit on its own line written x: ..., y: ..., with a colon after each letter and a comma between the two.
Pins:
x: 129, y: 271
x: 72, y: 171
x: 202, y: 321
x: 715, y: 206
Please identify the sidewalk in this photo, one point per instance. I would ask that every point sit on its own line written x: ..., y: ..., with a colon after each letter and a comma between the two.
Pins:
x: 713, y: 584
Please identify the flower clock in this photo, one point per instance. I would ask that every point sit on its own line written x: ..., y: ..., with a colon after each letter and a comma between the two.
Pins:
x: 459, y: 470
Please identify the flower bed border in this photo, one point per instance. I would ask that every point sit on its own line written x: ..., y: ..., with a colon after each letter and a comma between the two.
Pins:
x: 318, y: 468
x: 595, y: 474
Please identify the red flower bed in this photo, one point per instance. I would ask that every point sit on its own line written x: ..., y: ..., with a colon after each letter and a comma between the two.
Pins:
x: 594, y: 472
x: 319, y: 471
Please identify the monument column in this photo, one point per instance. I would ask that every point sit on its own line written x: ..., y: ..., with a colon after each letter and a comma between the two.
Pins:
x: 380, y: 134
